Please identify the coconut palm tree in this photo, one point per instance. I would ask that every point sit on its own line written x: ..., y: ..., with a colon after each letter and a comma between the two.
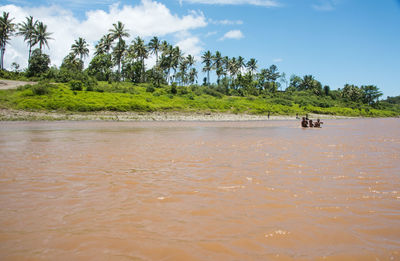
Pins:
x: 217, y: 59
x: 192, y: 75
x: 240, y: 64
x: 154, y: 47
x: 141, y: 52
x: 27, y: 30
x: 41, y: 35
x: 207, y: 59
x: 252, y: 66
x: 7, y: 27
x: 80, y: 47
x: 176, y: 58
x: 118, y: 53
x: 119, y: 32
x: 104, y: 45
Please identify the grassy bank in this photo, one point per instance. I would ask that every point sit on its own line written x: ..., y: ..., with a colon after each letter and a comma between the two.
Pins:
x: 129, y: 97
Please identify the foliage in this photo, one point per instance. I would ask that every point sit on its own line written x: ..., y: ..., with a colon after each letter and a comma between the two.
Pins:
x: 38, y: 64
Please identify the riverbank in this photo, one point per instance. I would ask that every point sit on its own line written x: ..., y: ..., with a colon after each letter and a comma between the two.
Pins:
x: 21, y: 115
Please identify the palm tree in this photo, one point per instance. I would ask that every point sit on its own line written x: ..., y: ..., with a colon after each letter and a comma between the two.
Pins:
x: 154, y: 47
x: 141, y: 52
x: 240, y: 64
x: 176, y: 58
x: 217, y: 58
x: 7, y: 27
x: 207, y: 56
x: 118, y: 53
x: 41, y: 35
x: 80, y: 47
x: 192, y: 75
x: 104, y: 45
x: 27, y: 30
x: 119, y: 32
x: 252, y: 66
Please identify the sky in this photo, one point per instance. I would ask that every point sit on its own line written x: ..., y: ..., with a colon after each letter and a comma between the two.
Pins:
x: 336, y: 41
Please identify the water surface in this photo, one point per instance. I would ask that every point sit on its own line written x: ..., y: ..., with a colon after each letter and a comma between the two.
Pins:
x: 265, y: 190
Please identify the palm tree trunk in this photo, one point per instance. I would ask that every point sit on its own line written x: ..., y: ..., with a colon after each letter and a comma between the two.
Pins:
x: 143, y: 71
x: 29, y: 55
x: 2, y: 57
x: 208, y: 77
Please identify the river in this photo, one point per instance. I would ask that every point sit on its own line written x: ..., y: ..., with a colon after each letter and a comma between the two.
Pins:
x: 262, y: 190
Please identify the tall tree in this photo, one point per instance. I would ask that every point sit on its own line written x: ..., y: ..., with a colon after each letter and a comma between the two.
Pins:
x: 218, y: 62
x: 119, y: 32
x: 104, y: 45
x: 118, y: 53
x: 207, y: 59
x: 252, y: 66
x: 154, y: 47
x: 192, y: 75
x: 141, y: 52
x: 27, y: 30
x: 41, y: 35
x: 80, y: 47
x: 7, y: 27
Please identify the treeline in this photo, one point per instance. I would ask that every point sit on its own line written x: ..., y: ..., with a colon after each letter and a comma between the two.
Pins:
x: 115, y: 60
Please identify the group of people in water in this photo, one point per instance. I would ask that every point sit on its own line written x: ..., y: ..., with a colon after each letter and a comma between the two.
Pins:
x: 308, y: 123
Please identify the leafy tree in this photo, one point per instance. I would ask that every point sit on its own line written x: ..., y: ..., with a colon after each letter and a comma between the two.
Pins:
x: 27, y: 30
x: 7, y: 27
x: 80, y: 47
x: 351, y: 93
x: 39, y: 63
x: 41, y: 35
x: 100, y: 67
x: 71, y: 63
x: 371, y: 94
x: 295, y: 82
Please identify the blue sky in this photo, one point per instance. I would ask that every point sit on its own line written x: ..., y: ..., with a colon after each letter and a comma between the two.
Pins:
x: 337, y: 41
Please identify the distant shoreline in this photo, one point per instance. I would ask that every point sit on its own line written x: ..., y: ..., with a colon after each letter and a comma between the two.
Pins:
x: 21, y: 115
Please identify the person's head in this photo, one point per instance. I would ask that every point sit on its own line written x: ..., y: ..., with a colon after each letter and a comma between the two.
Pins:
x: 317, y: 120
x: 304, y: 118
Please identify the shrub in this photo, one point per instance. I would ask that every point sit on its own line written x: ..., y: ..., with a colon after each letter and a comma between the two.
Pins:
x: 41, y: 88
x: 75, y: 85
x: 150, y: 88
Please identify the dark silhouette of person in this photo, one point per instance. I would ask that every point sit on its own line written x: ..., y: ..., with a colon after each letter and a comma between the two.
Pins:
x: 304, y: 123
x: 318, y: 123
x: 310, y: 124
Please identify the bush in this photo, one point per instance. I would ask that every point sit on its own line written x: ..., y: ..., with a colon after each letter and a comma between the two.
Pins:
x: 75, y: 85
x: 41, y: 88
x: 150, y: 88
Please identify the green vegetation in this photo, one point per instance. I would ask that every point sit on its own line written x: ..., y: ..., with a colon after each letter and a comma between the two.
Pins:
x: 76, y: 96
x: 117, y: 80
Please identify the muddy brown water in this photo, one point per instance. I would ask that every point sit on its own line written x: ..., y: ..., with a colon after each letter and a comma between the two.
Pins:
x: 265, y: 190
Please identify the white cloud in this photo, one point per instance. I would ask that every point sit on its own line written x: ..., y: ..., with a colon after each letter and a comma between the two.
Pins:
x: 211, y: 33
x: 225, y: 22
x: 191, y: 45
x: 234, y: 34
x: 149, y: 18
x: 277, y: 60
x: 265, y: 3
x: 324, y: 5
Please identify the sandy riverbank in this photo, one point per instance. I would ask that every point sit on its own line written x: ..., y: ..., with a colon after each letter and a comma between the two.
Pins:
x: 19, y: 115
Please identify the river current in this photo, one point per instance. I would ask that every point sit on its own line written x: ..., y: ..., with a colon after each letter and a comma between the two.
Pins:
x: 263, y: 190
